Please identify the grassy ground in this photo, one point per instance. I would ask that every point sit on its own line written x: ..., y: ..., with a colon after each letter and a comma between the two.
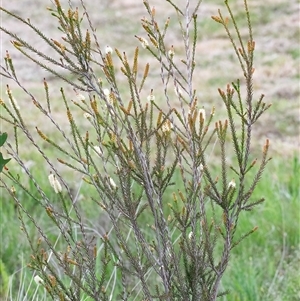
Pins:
x: 263, y: 267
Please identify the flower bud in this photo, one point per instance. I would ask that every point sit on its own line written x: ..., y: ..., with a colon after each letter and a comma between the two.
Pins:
x: 151, y: 97
x: 202, y: 113
x: 144, y: 43
x: 106, y: 92
x: 232, y: 184
x: 54, y: 183
x: 112, y: 183
x: 171, y: 53
x: 108, y: 49
x: 38, y: 280
x: 87, y: 115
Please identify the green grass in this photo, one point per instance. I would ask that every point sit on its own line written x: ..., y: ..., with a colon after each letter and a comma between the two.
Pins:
x: 262, y: 267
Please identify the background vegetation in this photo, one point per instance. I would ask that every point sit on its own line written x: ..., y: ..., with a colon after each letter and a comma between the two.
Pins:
x: 265, y: 267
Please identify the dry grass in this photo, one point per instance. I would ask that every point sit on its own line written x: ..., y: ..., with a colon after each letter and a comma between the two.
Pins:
x: 276, y: 33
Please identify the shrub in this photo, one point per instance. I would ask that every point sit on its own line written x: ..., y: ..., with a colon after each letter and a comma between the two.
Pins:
x: 170, y: 217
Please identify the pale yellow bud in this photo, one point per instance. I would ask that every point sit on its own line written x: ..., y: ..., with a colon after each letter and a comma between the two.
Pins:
x: 38, y: 280
x: 171, y: 53
x: 232, y: 184
x: 167, y: 126
x: 108, y: 50
x: 106, y: 92
x: 151, y: 97
x: 112, y: 183
x: 144, y: 43
x: 87, y: 115
x: 202, y: 113
x: 54, y: 183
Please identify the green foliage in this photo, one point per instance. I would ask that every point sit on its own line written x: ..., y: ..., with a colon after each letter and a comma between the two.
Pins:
x: 3, y: 279
x: 170, y: 218
x: 3, y: 161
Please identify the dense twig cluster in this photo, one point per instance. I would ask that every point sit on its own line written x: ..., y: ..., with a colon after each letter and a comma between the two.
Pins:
x: 145, y: 162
